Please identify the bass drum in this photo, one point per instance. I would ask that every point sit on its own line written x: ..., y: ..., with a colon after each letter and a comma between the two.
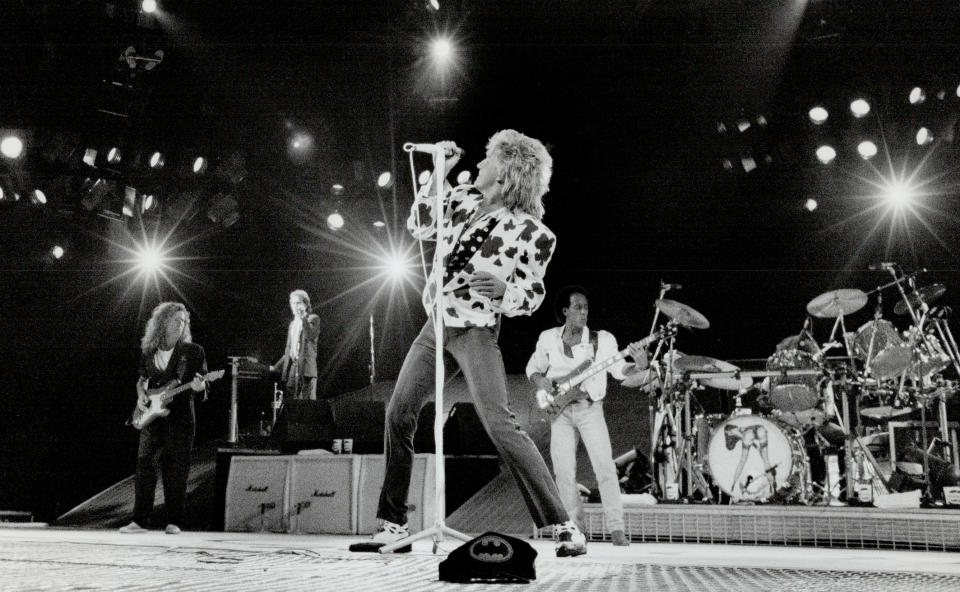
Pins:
x: 751, y: 458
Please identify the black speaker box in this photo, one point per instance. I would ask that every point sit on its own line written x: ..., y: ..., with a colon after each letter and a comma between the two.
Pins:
x: 304, y: 424
x: 463, y: 433
x: 363, y: 422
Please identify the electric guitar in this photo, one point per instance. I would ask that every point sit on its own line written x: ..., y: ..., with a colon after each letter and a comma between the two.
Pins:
x: 564, y: 389
x: 159, y: 397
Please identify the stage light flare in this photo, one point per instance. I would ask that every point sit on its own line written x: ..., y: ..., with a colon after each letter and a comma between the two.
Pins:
x: 924, y: 136
x: 899, y: 194
x: 818, y: 115
x: 38, y: 197
x: 56, y: 252
x: 11, y: 147
x: 442, y: 50
x: 811, y: 204
x: 150, y: 259
x: 396, y: 266
x: 149, y: 6
x: 384, y: 180
x: 859, y: 108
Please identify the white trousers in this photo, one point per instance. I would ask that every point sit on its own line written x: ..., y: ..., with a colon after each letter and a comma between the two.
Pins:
x: 585, y: 420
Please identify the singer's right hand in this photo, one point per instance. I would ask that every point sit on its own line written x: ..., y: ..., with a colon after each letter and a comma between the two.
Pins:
x: 452, y: 152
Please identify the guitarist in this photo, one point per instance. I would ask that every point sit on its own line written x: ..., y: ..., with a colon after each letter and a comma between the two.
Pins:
x: 167, y: 356
x: 563, y: 352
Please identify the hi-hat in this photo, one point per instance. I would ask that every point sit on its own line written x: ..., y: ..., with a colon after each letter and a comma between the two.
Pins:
x: 705, y: 364
x: 884, y: 412
x: 928, y: 294
x: 837, y: 302
x: 684, y: 315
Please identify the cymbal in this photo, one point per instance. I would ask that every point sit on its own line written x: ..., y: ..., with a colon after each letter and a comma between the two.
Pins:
x: 837, y: 302
x: 705, y: 364
x: 884, y: 412
x: 928, y: 294
x: 683, y: 314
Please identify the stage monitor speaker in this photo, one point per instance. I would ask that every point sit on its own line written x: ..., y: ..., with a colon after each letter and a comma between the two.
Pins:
x: 256, y: 498
x: 363, y: 422
x: 423, y: 438
x: 323, y: 494
x: 304, y: 424
x: 420, y: 499
x: 463, y: 433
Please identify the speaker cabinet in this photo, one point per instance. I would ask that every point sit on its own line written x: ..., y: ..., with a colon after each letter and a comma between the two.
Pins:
x: 323, y: 494
x: 420, y: 499
x: 256, y: 497
x: 304, y: 424
x: 363, y: 422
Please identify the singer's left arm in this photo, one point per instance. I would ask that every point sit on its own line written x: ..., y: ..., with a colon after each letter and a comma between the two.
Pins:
x: 525, y: 288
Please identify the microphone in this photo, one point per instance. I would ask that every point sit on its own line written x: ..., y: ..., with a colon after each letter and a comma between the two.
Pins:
x: 885, y: 266
x: 664, y: 286
x: 434, y: 149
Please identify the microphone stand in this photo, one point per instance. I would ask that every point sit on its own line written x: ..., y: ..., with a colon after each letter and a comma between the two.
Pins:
x: 439, y: 528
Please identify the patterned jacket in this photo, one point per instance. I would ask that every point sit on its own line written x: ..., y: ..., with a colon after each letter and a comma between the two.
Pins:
x: 517, y: 252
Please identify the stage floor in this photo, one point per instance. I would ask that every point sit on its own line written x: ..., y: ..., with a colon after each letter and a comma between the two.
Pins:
x: 74, y: 559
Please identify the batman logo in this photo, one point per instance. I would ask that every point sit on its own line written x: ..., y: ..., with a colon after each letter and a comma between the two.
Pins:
x: 491, y: 549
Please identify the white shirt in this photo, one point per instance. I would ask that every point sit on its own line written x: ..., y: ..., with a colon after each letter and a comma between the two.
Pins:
x: 162, y: 357
x: 295, y: 328
x: 550, y: 360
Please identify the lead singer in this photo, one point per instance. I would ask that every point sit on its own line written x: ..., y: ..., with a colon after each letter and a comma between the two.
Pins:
x: 498, y: 254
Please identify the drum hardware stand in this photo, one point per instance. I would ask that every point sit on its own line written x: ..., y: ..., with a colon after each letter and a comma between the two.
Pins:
x: 853, y: 439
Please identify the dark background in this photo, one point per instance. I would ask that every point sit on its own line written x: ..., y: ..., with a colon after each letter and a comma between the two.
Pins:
x: 628, y: 96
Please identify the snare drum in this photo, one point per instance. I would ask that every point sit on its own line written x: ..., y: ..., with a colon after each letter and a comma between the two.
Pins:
x: 793, y: 393
x: 751, y: 458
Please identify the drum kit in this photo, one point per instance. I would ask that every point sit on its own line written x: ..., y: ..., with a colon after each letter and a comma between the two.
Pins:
x: 809, y: 408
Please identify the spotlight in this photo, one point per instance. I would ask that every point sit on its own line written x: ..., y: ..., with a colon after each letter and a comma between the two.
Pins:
x: 335, y: 221
x: 924, y: 136
x: 38, y: 197
x: 818, y: 115
x: 743, y: 125
x: 11, y: 147
x: 149, y: 259
x: 200, y: 165
x: 156, y: 161
x: 432, y: 5
x: 727, y: 164
x: 336, y: 189
x: 898, y: 194
x: 90, y: 157
x: 463, y: 178
x: 149, y: 6
x: 859, y: 108
x: 810, y: 205
x: 396, y: 266
x: 749, y: 163
x: 423, y: 177
x: 113, y: 156
x: 442, y: 50
x: 147, y: 203
x: 385, y: 180
x: 301, y: 142
x: 721, y: 127
x: 379, y: 224
x: 761, y: 120
x: 917, y: 95
x: 867, y: 149
x: 56, y: 252
x: 826, y: 154
x: 958, y: 90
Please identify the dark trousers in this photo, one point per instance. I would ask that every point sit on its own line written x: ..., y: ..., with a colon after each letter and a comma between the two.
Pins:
x: 476, y: 352
x: 166, y: 444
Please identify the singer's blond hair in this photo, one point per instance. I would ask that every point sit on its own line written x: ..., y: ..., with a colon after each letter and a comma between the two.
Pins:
x: 157, y: 324
x: 524, y: 168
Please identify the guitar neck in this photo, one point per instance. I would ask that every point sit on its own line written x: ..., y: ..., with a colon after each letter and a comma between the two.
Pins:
x: 173, y: 393
x: 601, y: 366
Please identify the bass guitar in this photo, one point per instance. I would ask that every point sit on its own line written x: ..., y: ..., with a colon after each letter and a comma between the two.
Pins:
x: 565, y: 391
x: 159, y: 397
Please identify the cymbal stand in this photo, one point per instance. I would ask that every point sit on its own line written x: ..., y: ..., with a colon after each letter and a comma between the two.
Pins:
x: 853, y: 439
x: 839, y: 324
x: 661, y: 411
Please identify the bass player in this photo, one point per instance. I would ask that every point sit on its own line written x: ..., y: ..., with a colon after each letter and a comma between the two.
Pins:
x: 561, y: 353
